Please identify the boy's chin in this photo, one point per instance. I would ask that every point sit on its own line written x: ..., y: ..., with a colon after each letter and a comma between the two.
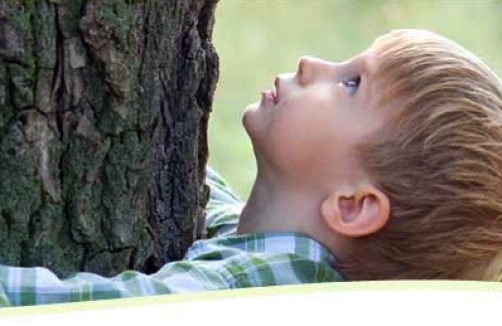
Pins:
x: 248, y: 118
x: 251, y: 109
x: 253, y: 124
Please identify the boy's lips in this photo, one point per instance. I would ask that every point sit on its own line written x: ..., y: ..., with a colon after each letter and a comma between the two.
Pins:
x: 268, y: 97
x: 271, y: 96
x: 276, y: 93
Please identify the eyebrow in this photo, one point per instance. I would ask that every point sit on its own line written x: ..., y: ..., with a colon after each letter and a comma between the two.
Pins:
x: 365, y: 60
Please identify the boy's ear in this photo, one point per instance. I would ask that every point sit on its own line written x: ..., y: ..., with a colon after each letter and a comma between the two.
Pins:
x: 356, y: 214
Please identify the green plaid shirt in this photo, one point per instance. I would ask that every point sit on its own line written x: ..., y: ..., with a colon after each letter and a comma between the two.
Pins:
x: 224, y: 261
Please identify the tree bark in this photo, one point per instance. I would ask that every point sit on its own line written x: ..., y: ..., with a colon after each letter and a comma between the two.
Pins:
x: 104, y: 108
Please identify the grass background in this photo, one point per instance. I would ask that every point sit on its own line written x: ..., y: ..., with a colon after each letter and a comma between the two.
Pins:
x: 258, y: 39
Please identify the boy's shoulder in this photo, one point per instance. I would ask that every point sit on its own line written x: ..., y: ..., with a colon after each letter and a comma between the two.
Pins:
x: 224, y: 206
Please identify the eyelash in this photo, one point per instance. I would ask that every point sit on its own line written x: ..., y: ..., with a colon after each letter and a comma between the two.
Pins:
x: 352, y: 85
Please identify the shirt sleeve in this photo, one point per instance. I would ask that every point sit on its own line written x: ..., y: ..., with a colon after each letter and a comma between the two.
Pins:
x: 37, y: 285
x: 224, y: 207
x: 34, y: 286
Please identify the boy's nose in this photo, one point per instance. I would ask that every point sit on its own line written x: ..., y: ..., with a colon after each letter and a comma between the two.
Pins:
x: 311, y: 69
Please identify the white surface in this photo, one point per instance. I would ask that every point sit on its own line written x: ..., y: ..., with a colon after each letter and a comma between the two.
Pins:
x: 331, y: 307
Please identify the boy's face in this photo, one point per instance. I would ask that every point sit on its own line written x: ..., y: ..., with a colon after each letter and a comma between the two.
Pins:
x: 307, y: 127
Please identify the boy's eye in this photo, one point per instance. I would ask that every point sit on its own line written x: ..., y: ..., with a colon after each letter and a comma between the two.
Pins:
x: 352, y: 84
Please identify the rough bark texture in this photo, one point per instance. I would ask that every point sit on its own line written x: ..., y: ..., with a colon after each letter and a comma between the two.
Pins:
x: 103, y: 117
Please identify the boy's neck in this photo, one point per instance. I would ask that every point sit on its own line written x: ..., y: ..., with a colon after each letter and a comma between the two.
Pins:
x: 274, y: 206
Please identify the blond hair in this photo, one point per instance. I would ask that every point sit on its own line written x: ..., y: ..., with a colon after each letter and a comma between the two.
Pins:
x: 439, y: 162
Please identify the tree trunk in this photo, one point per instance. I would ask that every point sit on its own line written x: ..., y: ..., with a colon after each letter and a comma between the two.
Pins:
x: 103, y: 117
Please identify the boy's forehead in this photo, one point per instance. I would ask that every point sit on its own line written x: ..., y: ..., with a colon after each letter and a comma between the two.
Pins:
x: 365, y: 62
x: 375, y: 94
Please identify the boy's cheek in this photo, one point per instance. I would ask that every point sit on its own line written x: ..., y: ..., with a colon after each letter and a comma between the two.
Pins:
x: 295, y: 149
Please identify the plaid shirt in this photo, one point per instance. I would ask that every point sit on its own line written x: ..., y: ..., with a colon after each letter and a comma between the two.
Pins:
x: 224, y: 261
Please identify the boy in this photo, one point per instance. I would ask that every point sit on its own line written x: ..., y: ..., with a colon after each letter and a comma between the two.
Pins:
x: 386, y: 166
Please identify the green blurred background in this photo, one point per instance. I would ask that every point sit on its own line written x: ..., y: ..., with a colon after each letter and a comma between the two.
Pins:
x: 258, y: 39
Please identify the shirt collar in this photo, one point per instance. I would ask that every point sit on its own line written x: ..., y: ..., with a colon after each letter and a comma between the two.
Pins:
x: 270, y: 242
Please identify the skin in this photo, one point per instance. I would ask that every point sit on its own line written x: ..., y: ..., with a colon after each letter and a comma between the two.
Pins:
x: 304, y: 133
